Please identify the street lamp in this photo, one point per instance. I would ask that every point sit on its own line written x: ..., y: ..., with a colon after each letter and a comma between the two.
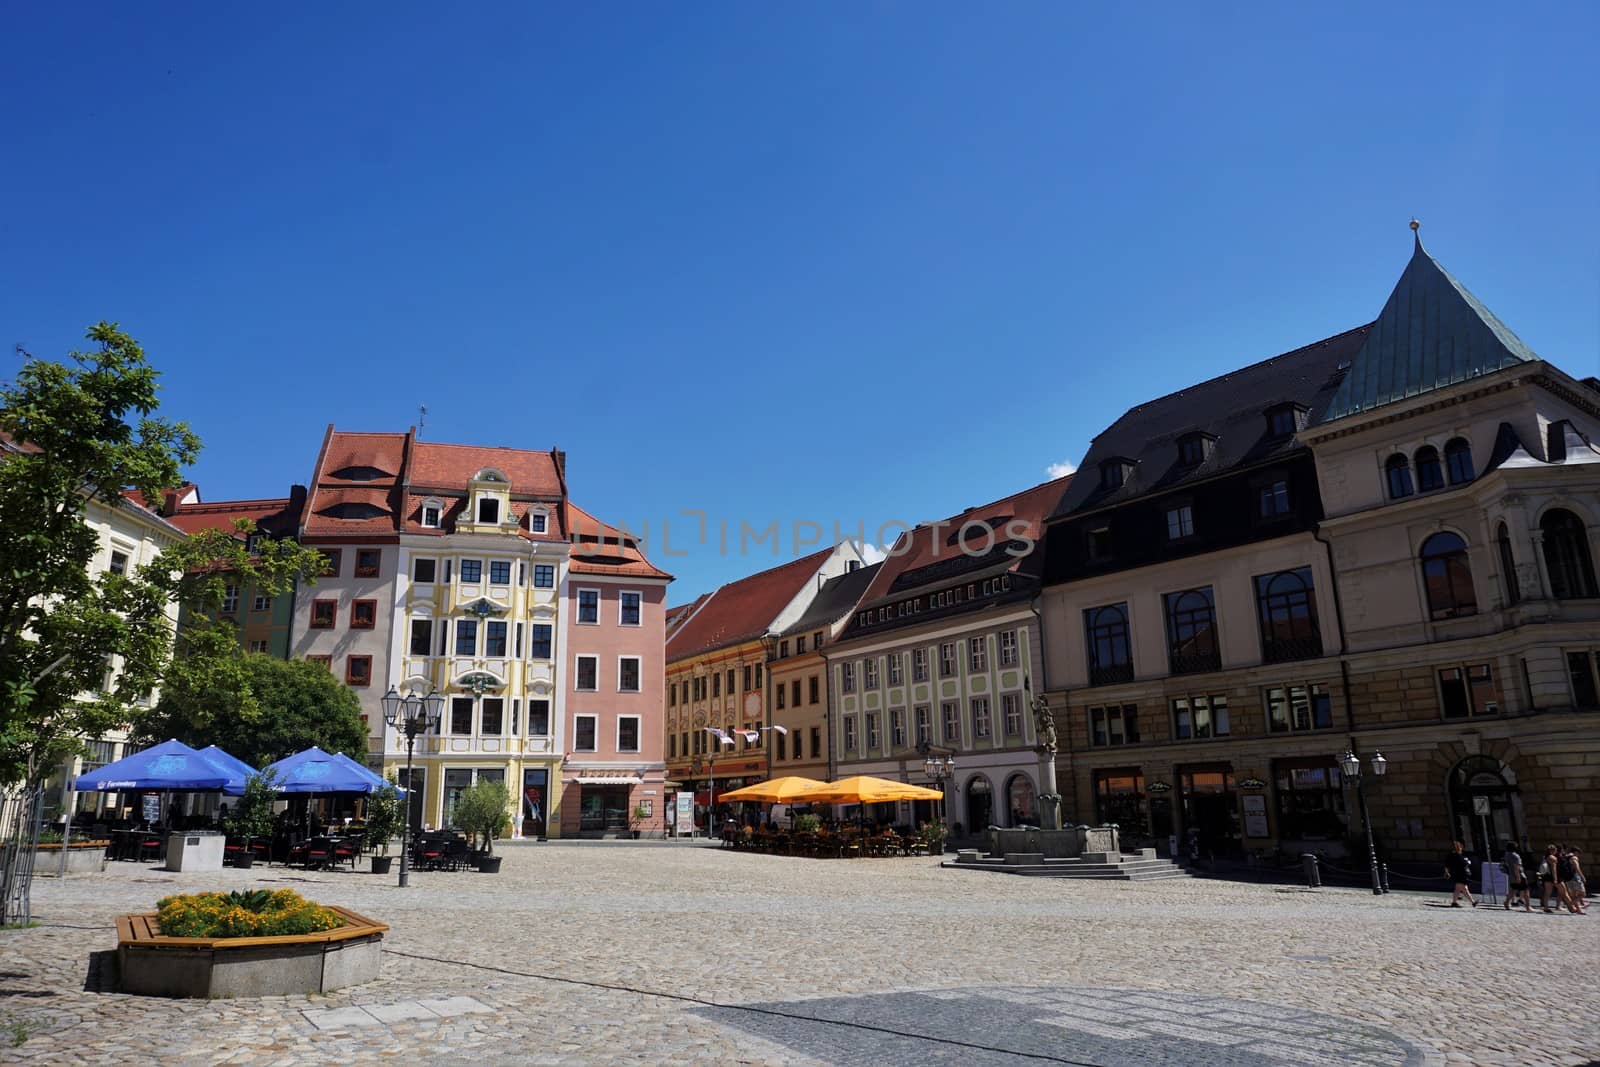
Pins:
x: 415, y: 714
x: 711, y: 770
x: 938, y: 770
x: 1350, y: 765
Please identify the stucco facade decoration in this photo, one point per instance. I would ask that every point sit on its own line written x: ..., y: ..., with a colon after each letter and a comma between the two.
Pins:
x: 717, y: 673
x: 941, y: 656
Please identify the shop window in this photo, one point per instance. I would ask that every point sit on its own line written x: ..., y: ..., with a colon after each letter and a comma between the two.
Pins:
x: 1119, y: 797
x: 1310, y: 800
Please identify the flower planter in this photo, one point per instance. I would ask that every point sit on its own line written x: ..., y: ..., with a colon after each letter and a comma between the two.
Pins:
x: 244, y: 860
x: 489, y: 864
x: 380, y: 864
x: 153, y: 965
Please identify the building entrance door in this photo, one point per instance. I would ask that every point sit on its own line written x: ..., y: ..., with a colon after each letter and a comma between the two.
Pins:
x: 1211, y: 809
x: 1479, y: 782
x: 980, y: 804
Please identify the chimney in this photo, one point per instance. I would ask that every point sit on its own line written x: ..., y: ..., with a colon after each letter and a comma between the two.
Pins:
x: 559, y: 458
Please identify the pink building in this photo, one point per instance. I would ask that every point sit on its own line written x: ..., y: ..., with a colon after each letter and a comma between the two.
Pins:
x: 613, y: 619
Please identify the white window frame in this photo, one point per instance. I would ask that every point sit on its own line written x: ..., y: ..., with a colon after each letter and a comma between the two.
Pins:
x: 592, y: 718
x: 630, y: 592
x: 230, y: 599
x: 638, y: 733
x: 897, y: 671
x: 920, y: 671
x: 543, y: 515
x: 978, y: 654
x: 552, y: 582
x: 638, y: 673
x: 424, y: 559
x: 577, y: 672
x: 1011, y: 709
x: 437, y: 506
x: 1008, y: 649
x: 577, y: 612
x: 986, y: 719
x: 261, y: 602
x: 869, y: 673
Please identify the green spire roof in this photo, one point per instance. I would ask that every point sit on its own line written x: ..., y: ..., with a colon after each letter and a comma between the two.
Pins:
x: 1432, y: 333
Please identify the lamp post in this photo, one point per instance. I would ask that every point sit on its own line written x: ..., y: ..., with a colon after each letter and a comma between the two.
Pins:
x: 711, y: 769
x: 413, y: 713
x: 938, y: 770
x: 1350, y: 764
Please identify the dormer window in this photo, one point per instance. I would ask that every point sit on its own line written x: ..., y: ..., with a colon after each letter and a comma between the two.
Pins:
x: 536, y: 521
x: 1114, y: 472
x: 1284, y: 420
x: 432, y: 514
x: 1193, y: 448
x: 488, y: 510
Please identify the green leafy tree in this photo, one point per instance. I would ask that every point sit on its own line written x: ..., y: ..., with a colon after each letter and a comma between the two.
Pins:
x: 259, y: 708
x: 74, y: 432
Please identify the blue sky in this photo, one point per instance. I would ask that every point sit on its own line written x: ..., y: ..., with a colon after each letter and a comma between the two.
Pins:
x: 838, y: 263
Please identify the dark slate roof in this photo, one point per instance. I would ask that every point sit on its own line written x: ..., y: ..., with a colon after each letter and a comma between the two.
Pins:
x: 1231, y: 409
x: 836, y: 599
x: 1432, y: 333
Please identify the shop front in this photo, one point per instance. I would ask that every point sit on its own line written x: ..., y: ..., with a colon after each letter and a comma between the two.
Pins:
x: 1210, y: 805
x: 1310, y: 805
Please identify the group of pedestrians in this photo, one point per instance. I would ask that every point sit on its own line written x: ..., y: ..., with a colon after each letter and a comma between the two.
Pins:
x: 1560, y: 876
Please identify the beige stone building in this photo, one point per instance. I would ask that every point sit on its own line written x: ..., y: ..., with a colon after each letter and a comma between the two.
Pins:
x: 1381, y: 542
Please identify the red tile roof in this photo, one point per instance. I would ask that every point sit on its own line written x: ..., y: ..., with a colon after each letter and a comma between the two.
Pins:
x: 355, y: 486
x: 441, y: 466
x: 1017, y: 517
x: 221, y: 515
x: 601, y: 549
x: 741, y: 611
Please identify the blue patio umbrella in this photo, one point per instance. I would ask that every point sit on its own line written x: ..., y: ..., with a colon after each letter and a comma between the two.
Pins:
x: 230, y: 762
x: 378, y: 781
x: 171, y: 766
x: 316, y: 771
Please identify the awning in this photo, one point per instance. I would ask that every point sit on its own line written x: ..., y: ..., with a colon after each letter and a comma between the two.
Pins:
x: 621, y: 779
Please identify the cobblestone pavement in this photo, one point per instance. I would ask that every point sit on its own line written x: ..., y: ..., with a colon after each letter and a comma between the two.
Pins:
x: 636, y: 954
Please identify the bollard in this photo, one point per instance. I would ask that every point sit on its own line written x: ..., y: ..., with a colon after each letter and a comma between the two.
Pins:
x: 1313, y: 875
x: 1383, y: 876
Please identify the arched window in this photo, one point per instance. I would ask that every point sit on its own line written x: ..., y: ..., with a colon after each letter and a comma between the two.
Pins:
x: 1508, y: 565
x: 1110, y: 651
x: 1287, y: 605
x: 1430, y: 475
x: 1448, y: 577
x: 1397, y: 469
x: 1020, y: 801
x: 1458, y: 460
x: 1566, y: 554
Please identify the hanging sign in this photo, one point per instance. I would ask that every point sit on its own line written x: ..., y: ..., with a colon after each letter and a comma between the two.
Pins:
x: 1252, y: 783
x: 1158, y: 787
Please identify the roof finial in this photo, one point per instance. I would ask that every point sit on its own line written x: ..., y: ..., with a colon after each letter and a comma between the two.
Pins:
x: 1416, y: 233
x: 1415, y: 225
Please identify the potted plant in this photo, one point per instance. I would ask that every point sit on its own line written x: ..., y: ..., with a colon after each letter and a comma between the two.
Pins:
x: 251, y: 818
x: 933, y: 835
x: 809, y: 823
x: 637, y: 815
x: 385, y: 818
x: 483, y: 812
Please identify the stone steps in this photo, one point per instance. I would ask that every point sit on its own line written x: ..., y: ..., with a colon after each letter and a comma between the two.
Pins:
x: 1142, y: 868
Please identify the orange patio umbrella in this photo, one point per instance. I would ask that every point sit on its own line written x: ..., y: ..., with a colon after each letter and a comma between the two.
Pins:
x: 776, y: 791
x: 866, y: 789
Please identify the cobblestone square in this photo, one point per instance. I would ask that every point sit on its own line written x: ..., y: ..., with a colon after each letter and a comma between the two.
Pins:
x: 642, y: 954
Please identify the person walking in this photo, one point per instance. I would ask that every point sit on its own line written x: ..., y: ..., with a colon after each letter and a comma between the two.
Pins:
x: 1516, y: 877
x: 1569, y: 876
x: 1547, y: 878
x: 1459, y: 867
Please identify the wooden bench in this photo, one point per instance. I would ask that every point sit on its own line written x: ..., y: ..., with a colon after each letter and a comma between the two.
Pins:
x: 142, y: 929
